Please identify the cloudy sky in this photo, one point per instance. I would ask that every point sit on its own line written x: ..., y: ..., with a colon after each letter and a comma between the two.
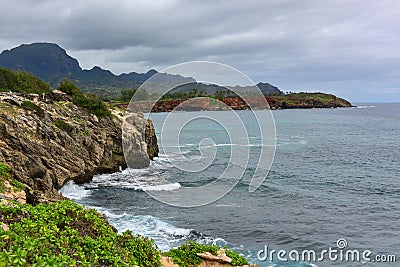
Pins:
x: 347, y: 47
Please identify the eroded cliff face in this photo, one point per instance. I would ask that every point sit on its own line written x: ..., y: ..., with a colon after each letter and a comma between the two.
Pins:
x: 151, y: 140
x: 47, y: 141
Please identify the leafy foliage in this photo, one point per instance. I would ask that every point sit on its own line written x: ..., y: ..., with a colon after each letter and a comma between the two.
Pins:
x: 5, y: 173
x: 21, y: 82
x: 33, y: 107
x: 185, y: 95
x: 91, y: 103
x: 64, y: 126
x: 17, y: 185
x: 5, y: 170
x: 310, y: 99
x: 127, y: 94
x: 66, y: 234
x: 138, y: 94
x: 237, y: 259
x: 186, y: 254
x: 69, y: 88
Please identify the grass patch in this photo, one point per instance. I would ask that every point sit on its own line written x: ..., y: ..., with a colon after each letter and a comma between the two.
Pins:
x: 237, y: 259
x: 33, y: 107
x: 66, y: 234
x: 5, y: 174
x: 186, y: 254
x: 5, y: 171
x: 78, y: 119
x: 64, y: 126
x: 21, y: 82
x: 17, y: 186
x: 91, y: 103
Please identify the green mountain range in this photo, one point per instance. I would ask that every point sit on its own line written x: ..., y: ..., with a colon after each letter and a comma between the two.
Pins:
x: 51, y: 63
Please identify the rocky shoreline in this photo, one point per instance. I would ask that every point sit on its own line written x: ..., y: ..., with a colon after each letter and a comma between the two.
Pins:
x: 38, y: 155
x: 50, y: 138
x: 47, y: 141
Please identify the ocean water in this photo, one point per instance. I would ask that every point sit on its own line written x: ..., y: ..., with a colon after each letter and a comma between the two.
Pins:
x: 335, y: 175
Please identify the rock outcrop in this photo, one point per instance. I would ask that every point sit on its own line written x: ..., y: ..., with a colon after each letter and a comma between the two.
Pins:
x: 151, y: 140
x: 208, y: 260
x: 221, y: 257
x: 47, y: 141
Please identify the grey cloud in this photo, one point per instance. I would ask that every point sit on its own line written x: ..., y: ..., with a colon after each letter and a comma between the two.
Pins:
x: 349, y: 47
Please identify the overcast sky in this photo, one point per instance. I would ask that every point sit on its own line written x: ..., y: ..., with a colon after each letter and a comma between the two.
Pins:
x: 349, y: 48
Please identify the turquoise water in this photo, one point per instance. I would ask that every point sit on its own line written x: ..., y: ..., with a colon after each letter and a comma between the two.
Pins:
x: 336, y: 174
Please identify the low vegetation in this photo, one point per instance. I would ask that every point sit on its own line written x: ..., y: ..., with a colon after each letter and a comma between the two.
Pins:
x: 91, y: 103
x: 12, y: 184
x: 33, y: 107
x: 17, y: 185
x: 21, y: 82
x: 64, y: 126
x: 66, y: 234
x: 186, y: 254
x: 317, y: 98
x: 5, y: 174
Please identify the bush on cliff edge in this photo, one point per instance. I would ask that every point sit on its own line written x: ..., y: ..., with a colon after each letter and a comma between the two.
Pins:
x: 21, y: 82
x: 186, y: 254
x: 66, y: 234
x: 91, y: 103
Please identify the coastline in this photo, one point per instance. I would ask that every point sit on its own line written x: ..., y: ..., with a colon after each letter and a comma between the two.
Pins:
x: 291, y: 101
x: 48, y: 140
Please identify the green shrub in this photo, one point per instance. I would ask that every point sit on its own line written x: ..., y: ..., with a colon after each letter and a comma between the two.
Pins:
x: 142, y: 248
x: 91, y: 103
x: 69, y: 88
x: 237, y: 259
x: 5, y: 171
x: 33, y: 107
x: 127, y: 94
x: 5, y: 174
x: 17, y: 186
x: 78, y: 119
x: 64, y: 126
x: 186, y: 254
x: 21, y: 82
x: 66, y: 234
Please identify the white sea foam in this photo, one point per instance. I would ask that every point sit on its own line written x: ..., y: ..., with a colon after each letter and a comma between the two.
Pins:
x: 163, y: 233
x: 219, y: 145
x: 161, y: 187
x: 365, y: 107
x: 147, y: 179
x: 74, y: 191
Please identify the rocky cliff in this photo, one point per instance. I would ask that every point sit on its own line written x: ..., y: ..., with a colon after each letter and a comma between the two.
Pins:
x: 47, y: 141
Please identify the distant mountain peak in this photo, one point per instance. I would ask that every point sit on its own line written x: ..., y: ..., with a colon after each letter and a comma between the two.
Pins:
x: 51, y: 63
x: 40, y: 59
x: 151, y: 72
